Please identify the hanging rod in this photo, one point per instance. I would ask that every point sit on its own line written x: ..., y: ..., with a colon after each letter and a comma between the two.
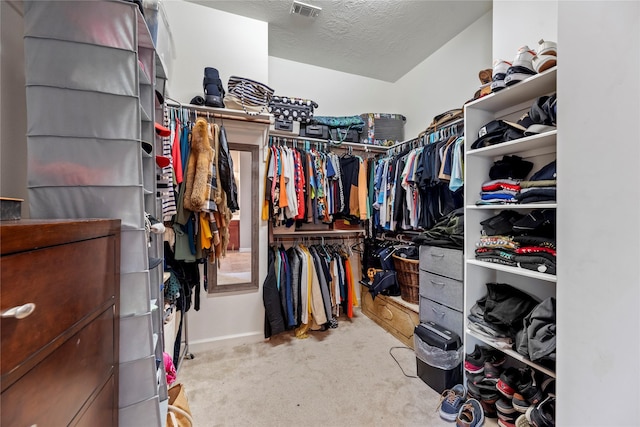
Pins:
x: 222, y: 113
x: 426, y: 135
x: 330, y: 142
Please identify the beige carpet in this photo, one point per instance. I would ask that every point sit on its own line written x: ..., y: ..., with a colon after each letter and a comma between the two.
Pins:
x: 341, y: 377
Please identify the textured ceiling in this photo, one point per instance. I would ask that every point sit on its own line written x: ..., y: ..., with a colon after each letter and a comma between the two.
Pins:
x: 381, y: 39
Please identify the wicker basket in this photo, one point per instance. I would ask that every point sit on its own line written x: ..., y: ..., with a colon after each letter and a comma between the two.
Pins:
x: 408, y: 278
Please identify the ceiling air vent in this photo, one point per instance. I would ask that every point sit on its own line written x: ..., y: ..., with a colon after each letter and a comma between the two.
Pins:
x: 304, y: 9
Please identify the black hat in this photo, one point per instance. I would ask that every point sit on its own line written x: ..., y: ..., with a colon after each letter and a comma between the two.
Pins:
x: 497, y: 131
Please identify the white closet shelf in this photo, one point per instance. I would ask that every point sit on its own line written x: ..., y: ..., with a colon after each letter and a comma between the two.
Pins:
x: 526, y: 206
x: 524, y: 91
x: 534, y: 142
x: 514, y: 270
x: 511, y: 353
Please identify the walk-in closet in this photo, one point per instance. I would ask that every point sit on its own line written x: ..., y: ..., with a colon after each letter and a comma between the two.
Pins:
x: 336, y: 212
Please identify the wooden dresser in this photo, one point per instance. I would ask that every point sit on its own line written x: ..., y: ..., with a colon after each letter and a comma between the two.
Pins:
x: 395, y: 315
x: 60, y: 286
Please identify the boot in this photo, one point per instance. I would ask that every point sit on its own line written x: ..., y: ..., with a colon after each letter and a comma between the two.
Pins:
x: 213, y: 89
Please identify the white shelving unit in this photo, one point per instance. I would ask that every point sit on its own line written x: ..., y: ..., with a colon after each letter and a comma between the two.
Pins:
x: 508, y: 104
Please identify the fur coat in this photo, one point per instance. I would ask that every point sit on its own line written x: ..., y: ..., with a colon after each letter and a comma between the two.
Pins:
x: 201, y: 157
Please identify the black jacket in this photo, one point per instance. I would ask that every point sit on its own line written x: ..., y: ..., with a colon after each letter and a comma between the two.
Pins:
x: 273, y: 316
x: 225, y: 169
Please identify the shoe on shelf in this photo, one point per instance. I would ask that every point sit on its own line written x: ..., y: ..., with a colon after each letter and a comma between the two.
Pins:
x: 503, y: 423
x: 505, y: 409
x: 486, y: 393
x: 500, y: 68
x: 527, y: 393
x: 548, y: 387
x: 474, y: 361
x: 491, y: 371
x: 547, y: 48
x: 470, y: 414
x: 543, y: 62
x: 521, y: 421
x: 451, y: 401
x: 521, y: 67
x: 508, y: 382
x: 543, y: 414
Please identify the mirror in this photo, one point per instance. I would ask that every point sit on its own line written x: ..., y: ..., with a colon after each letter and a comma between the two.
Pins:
x: 238, y: 270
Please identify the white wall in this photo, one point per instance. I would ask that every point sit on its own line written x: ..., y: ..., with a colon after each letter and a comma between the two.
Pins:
x: 518, y: 23
x: 446, y: 79
x: 337, y: 93
x: 13, y: 105
x: 598, y: 213
x: 205, y: 37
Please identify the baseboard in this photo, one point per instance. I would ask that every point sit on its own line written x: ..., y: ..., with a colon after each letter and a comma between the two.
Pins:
x: 228, y: 340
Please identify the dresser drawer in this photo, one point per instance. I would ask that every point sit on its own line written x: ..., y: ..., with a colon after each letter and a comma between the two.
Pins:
x: 441, y: 314
x: 441, y: 289
x: 398, y: 319
x: 52, y: 393
x: 49, y: 278
x: 443, y: 261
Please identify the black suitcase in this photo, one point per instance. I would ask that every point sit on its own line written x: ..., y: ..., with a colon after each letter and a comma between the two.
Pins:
x: 315, y: 131
x: 344, y: 135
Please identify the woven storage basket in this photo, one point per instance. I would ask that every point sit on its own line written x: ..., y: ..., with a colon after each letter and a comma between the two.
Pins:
x: 408, y: 278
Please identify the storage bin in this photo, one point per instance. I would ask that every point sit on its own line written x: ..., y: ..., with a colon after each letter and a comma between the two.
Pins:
x: 136, y: 340
x: 137, y: 381
x: 89, y: 202
x: 439, y: 356
x: 60, y: 161
x: 134, y: 293
x: 408, y: 278
x: 383, y: 128
x: 93, y: 114
x: 314, y: 131
x: 145, y: 413
x: 431, y: 311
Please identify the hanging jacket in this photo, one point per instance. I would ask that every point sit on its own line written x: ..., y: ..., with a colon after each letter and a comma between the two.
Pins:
x: 225, y: 169
x: 273, y: 316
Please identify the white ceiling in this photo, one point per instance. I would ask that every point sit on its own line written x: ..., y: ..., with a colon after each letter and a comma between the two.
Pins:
x: 381, y: 39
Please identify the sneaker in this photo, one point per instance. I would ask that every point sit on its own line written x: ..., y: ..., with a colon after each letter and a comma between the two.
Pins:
x: 508, y: 382
x: 521, y: 421
x: 474, y: 361
x: 543, y: 414
x: 486, y: 393
x: 491, y: 371
x: 521, y: 68
x: 527, y: 393
x: 500, y: 68
x: 542, y: 63
x: 547, y: 48
x: 503, y: 423
x: 505, y: 409
x: 470, y: 414
x: 548, y: 387
x: 451, y: 401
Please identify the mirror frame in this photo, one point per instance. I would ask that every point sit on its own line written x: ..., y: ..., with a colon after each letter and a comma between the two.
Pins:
x: 212, y: 276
